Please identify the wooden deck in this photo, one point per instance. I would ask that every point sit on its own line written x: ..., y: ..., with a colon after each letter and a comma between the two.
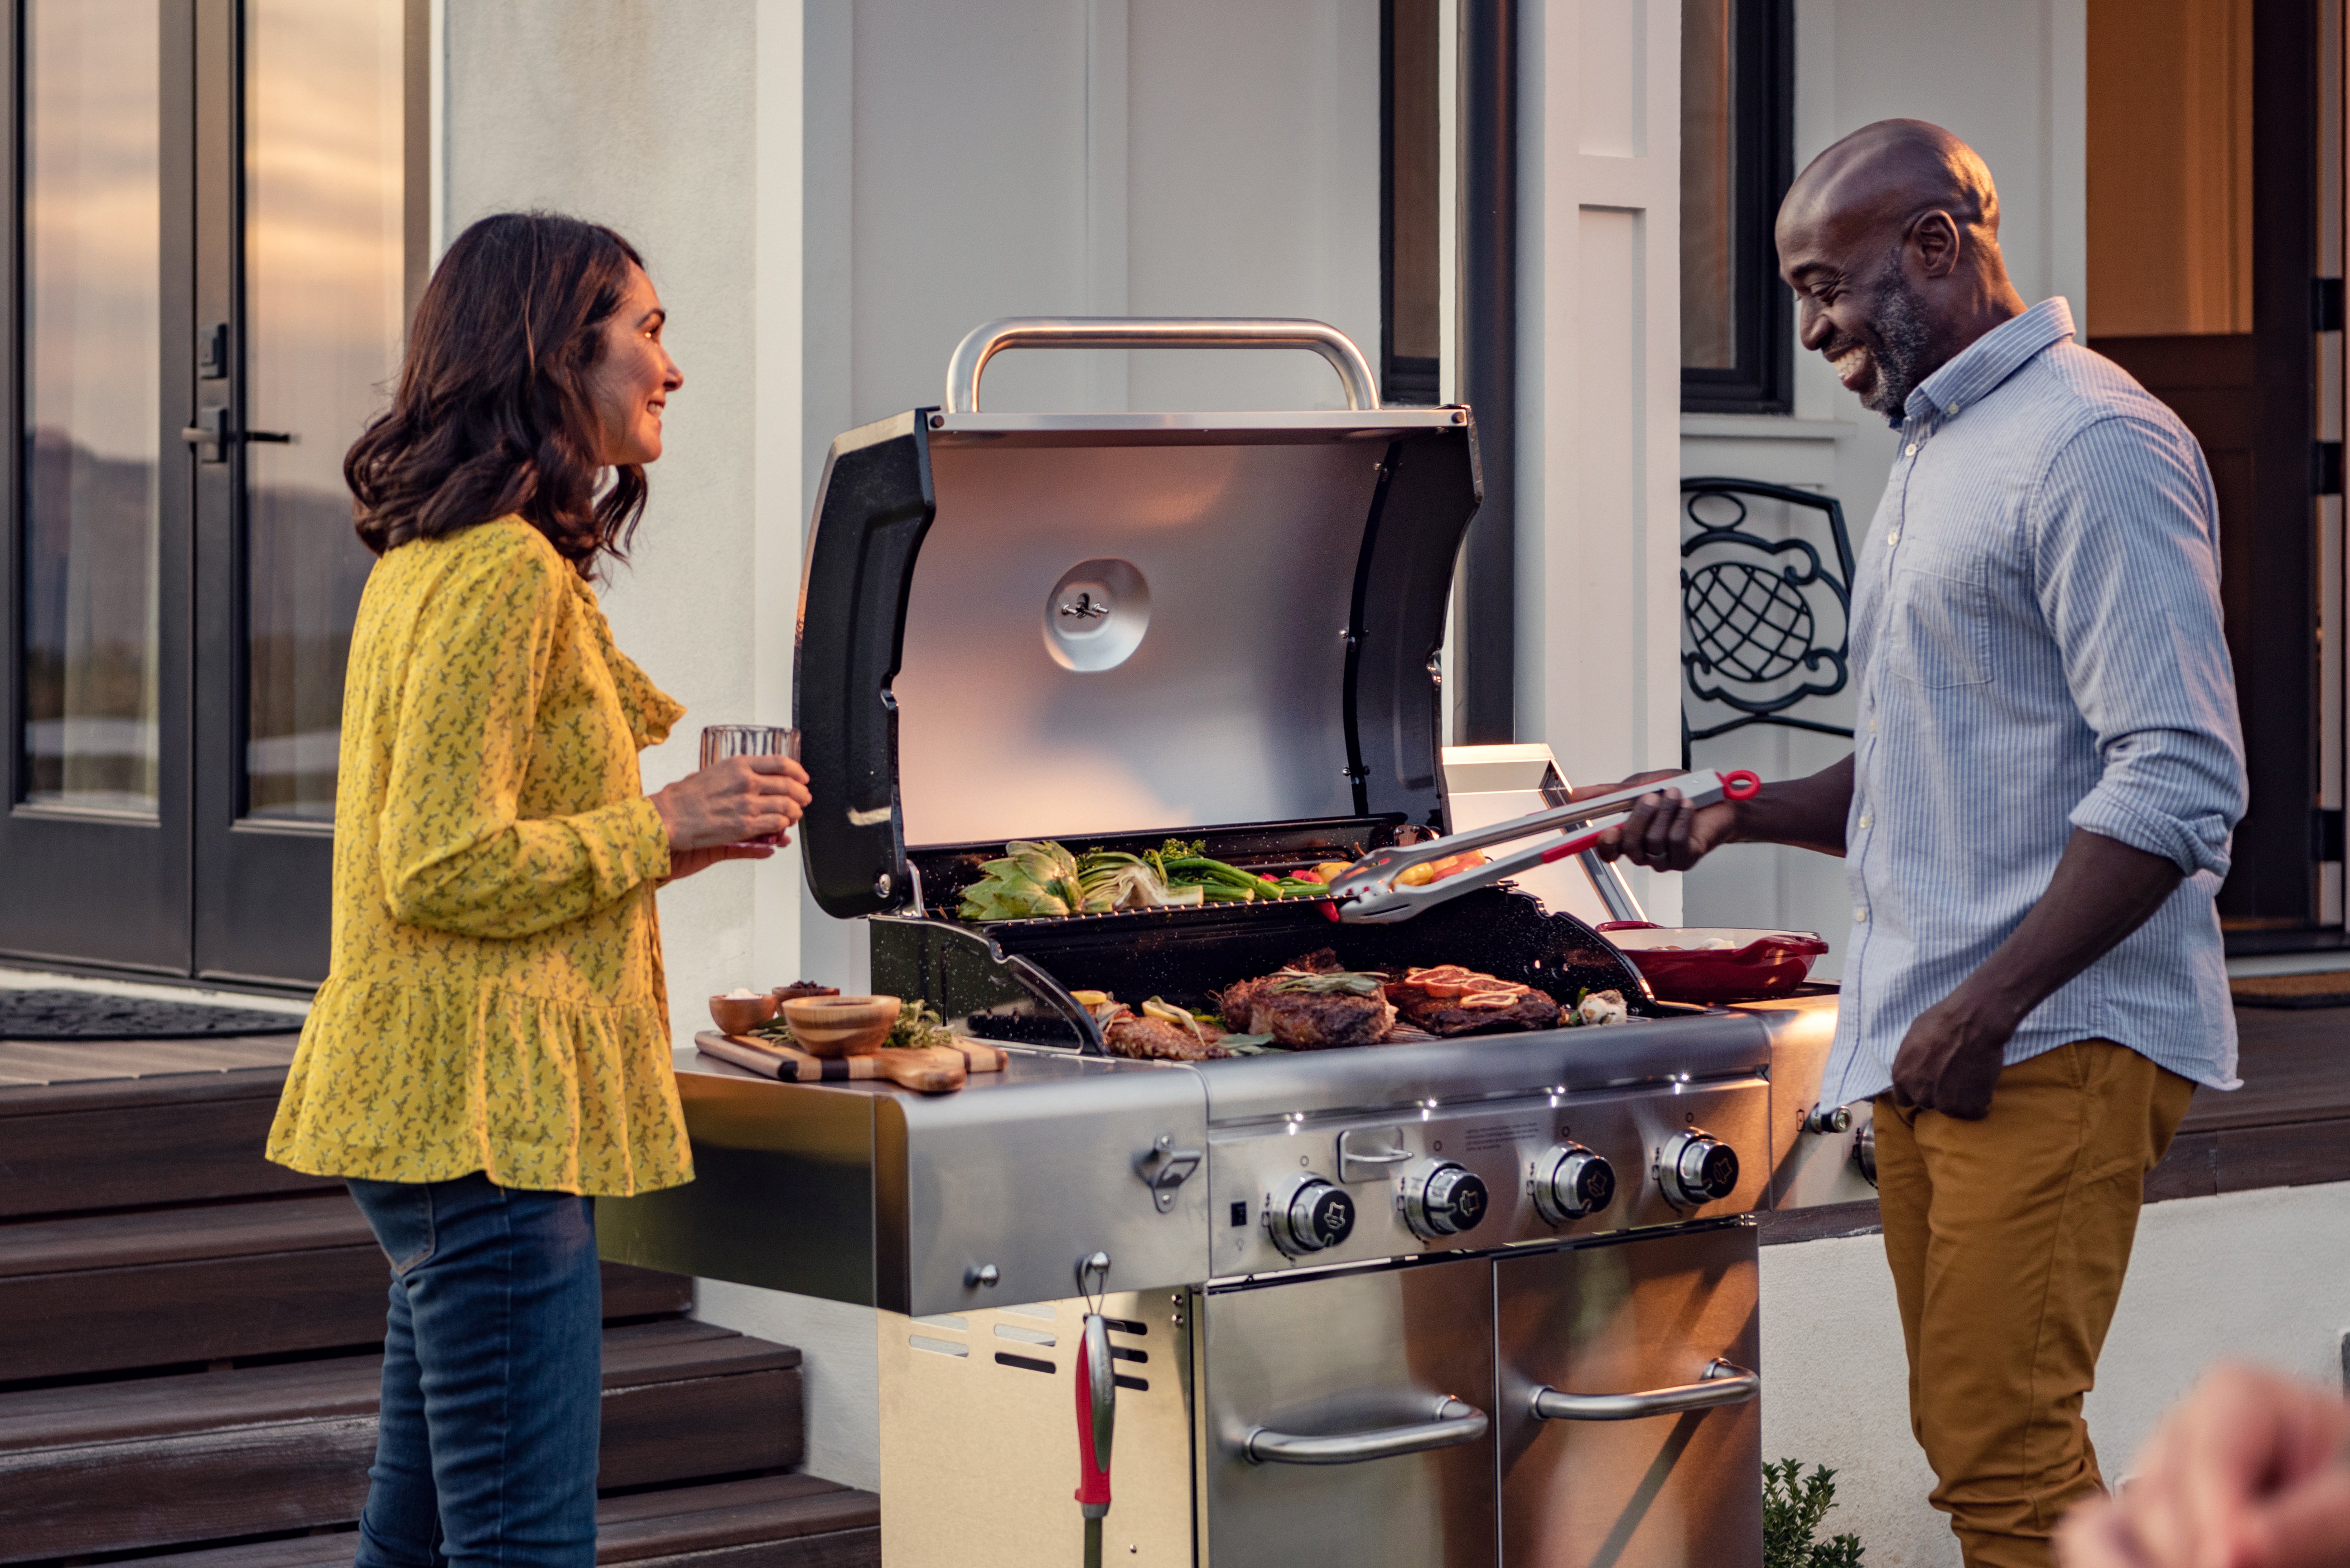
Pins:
x: 188, y: 1337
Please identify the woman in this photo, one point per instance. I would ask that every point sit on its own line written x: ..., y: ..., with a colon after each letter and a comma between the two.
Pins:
x: 491, y: 1047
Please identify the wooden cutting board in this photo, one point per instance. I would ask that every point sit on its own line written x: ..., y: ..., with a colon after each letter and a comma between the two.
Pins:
x: 935, y: 1070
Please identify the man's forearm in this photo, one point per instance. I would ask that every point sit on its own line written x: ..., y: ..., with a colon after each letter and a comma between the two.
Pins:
x: 1808, y: 812
x: 2102, y: 892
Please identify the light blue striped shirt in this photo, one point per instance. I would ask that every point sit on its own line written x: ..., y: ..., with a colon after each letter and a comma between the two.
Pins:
x: 2037, y: 644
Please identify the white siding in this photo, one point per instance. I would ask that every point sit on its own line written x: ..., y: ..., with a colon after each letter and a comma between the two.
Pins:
x: 1599, y: 390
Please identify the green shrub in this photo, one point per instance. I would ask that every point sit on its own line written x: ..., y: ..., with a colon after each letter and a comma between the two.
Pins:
x: 1792, y: 1506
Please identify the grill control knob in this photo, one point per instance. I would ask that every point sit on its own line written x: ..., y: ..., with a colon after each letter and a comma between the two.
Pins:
x: 1311, y: 1216
x: 1570, y: 1182
x: 1697, y: 1169
x: 1442, y: 1199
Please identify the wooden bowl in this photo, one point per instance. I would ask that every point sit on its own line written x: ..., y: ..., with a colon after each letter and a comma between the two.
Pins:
x: 840, y: 1026
x: 741, y: 1015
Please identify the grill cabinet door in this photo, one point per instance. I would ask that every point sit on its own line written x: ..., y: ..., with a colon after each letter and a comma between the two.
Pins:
x: 1354, y: 1353
x: 1619, y: 1317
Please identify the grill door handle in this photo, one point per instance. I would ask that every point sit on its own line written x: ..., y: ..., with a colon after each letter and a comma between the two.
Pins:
x: 1721, y: 1383
x: 1455, y: 1423
x: 984, y: 342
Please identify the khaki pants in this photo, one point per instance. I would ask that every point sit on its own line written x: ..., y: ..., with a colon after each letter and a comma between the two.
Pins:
x: 2008, y: 1239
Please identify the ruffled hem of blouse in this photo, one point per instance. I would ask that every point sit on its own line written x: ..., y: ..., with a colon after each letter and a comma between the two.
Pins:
x: 537, y: 1094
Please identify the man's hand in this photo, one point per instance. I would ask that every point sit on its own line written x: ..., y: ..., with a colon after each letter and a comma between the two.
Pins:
x: 2249, y: 1471
x: 2103, y: 890
x: 1663, y: 831
x: 1950, y: 1058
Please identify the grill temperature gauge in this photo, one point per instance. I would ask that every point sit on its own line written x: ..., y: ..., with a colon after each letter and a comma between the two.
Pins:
x: 1570, y: 1182
x: 1310, y: 1216
x: 1442, y: 1197
x: 1697, y: 1169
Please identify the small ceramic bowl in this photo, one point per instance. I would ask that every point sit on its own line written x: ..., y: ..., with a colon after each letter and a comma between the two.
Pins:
x: 840, y: 1026
x: 741, y: 1015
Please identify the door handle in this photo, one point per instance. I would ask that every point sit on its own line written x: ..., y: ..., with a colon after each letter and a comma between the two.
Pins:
x: 1721, y: 1383
x: 212, y: 429
x: 1453, y: 1422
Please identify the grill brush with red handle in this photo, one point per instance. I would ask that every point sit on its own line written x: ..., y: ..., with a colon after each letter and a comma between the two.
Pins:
x: 1368, y: 890
x: 1096, y: 1416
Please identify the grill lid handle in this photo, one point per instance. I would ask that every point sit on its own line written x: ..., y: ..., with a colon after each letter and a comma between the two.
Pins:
x: 984, y: 342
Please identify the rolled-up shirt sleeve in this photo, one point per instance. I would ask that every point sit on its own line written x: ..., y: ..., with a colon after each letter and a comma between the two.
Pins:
x: 2125, y: 562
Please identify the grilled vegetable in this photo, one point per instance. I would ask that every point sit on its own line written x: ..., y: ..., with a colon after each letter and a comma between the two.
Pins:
x: 1335, y: 983
x: 1044, y: 878
x: 1038, y: 879
x: 1602, y: 1007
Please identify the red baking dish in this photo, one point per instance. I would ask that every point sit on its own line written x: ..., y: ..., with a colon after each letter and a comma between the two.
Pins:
x: 1716, y: 963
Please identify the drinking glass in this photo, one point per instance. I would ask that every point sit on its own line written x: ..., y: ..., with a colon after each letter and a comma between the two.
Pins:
x: 719, y: 742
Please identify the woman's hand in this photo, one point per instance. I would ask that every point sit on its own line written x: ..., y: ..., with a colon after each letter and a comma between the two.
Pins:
x: 722, y: 812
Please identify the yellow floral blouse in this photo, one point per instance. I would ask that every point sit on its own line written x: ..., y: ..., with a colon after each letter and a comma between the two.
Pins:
x: 495, y: 1001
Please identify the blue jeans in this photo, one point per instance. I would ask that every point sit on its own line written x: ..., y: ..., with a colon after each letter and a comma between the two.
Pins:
x: 492, y: 1378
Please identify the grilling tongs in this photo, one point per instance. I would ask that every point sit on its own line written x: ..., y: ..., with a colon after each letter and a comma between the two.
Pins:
x: 1368, y: 890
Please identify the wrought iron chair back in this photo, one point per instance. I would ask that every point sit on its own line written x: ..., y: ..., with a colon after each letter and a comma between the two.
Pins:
x: 1751, y: 624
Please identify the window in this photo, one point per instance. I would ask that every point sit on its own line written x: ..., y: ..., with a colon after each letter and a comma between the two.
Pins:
x: 1737, y: 157
x: 1411, y: 194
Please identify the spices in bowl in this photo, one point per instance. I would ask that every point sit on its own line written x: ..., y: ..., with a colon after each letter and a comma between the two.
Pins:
x: 741, y: 1010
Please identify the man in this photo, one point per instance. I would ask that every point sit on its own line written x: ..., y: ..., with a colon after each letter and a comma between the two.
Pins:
x: 2035, y: 816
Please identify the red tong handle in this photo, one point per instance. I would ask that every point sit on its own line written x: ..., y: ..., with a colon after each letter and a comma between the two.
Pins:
x: 1097, y: 1406
x: 1741, y: 784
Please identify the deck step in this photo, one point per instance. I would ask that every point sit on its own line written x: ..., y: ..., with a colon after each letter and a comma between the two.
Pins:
x: 125, y: 1142
x: 156, y: 1461
x: 111, y: 1293
x: 773, y: 1522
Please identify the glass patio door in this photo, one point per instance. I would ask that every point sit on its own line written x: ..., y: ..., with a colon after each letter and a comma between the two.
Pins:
x: 215, y: 224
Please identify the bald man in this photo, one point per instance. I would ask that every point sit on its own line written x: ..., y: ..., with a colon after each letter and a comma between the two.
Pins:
x: 2036, y: 814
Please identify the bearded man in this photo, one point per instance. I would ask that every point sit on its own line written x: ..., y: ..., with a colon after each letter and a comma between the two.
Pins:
x: 2036, y: 814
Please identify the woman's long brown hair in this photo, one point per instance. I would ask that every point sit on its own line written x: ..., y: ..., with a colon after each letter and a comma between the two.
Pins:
x: 492, y: 415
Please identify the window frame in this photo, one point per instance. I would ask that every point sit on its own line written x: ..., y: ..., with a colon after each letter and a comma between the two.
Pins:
x: 1412, y: 380
x: 1763, y: 133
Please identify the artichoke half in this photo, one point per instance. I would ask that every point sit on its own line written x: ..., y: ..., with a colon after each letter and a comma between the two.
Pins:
x: 1044, y: 878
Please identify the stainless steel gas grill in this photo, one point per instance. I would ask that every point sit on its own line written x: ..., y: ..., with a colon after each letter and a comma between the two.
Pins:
x: 1465, y: 1300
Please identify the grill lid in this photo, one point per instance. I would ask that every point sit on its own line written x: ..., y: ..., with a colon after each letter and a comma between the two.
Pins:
x: 1077, y: 626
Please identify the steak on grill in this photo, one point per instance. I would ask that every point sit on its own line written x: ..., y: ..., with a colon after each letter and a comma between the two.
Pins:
x: 1297, y: 1014
x: 1449, y: 1000
x: 1156, y: 1040
x: 1528, y: 1010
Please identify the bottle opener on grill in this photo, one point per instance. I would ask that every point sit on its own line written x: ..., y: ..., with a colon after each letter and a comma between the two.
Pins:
x: 1368, y: 891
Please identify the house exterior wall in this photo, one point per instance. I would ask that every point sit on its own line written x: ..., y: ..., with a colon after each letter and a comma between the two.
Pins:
x: 2010, y: 78
x: 1599, y: 615
x: 645, y: 117
x: 831, y: 193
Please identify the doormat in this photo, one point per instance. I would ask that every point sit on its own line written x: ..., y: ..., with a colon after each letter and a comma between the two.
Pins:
x: 2330, y: 988
x: 85, y: 1015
